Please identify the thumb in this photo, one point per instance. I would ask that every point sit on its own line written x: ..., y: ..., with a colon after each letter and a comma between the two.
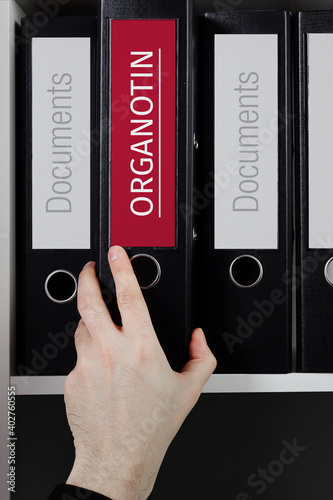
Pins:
x: 202, y: 362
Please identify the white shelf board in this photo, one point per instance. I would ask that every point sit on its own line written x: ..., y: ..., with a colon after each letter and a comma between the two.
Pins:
x: 39, y: 385
x: 229, y: 383
x: 289, y: 382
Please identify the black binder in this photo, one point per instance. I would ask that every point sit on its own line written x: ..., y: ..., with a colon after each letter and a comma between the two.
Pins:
x: 148, y: 78
x: 314, y: 282
x: 245, y: 232
x: 57, y: 188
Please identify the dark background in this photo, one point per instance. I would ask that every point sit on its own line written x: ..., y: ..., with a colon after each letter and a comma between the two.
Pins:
x: 225, y: 439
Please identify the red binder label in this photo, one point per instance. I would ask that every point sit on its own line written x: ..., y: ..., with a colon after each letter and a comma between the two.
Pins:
x: 143, y: 131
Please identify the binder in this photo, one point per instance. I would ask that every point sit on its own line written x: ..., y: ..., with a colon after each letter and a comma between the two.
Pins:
x: 245, y: 201
x: 148, y: 150
x: 314, y: 279
x: 57, y: 188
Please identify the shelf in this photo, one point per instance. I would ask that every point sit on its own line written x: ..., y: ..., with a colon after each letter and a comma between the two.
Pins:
x: 90, y: 6
x: 290, y: 382
x: 10, y: 14
x: 235, y: 383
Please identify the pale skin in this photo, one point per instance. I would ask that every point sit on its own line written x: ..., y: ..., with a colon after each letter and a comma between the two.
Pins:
x: 124, y: 403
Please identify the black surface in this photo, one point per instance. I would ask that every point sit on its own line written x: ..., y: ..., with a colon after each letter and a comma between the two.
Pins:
x: 314, y: 294
x: 170, y: 301
x: 246, y: 333
x: 225, y: 439
x: 40, y: 319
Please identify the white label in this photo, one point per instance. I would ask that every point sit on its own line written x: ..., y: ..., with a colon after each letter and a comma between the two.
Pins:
x: 61, y: 143
x: 246, y: 142
x: 320, y: 59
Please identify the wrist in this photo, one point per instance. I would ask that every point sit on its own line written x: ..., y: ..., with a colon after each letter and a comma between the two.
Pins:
x: 103, y: 482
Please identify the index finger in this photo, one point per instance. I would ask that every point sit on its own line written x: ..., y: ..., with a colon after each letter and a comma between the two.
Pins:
x: 131, y: 303
x: 91, y: 305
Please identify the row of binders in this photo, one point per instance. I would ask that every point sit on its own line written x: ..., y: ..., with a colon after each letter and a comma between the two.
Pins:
x: 171, y: 135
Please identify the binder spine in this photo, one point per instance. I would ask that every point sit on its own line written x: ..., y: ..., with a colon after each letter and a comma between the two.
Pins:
x: 57, y: 185
x: 246, y: 298
x: 147, y: 49
x: 314, y: 240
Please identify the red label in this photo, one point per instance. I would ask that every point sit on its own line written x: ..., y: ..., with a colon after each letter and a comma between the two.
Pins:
x: 143, y: 130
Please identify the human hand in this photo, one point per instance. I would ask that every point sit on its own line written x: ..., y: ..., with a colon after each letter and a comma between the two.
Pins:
x: 124, y: 403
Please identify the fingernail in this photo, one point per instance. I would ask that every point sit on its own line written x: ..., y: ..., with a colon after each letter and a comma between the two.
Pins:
x: 113, y: 254
x: 90, y: 264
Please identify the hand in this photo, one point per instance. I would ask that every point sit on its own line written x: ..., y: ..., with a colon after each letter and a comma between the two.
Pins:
x: 124, y: 403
